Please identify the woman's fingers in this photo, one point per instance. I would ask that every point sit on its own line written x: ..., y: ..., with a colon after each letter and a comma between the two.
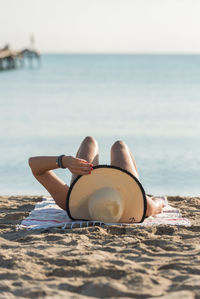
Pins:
x: 81, y: 169
x: 82, y: 160
x: 80, y: 166
x: 85, y: 167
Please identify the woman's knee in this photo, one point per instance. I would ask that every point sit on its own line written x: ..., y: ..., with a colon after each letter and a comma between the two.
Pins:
x: 118, y: 145
x: 90, y: 140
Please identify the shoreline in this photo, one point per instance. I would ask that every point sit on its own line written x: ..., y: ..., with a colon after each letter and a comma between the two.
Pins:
x: 99, y: 262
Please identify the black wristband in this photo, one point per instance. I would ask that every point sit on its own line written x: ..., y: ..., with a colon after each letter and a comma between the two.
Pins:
x: 59, y: 161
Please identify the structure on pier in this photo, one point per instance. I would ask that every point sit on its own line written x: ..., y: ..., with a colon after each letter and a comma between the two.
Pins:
x: 10, y: 59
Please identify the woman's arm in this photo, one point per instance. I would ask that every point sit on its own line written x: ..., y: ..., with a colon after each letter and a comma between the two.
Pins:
x: 42, y: 167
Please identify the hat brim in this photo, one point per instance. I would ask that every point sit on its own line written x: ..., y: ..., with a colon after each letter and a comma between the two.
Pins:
x: 128, y: 186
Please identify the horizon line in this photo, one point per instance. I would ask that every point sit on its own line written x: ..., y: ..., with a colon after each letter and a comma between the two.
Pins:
x: 119, y: 53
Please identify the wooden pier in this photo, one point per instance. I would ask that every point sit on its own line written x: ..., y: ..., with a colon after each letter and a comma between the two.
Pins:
x: 10, y: 59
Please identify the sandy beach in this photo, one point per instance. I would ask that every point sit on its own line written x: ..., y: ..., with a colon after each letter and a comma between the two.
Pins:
x: 99, y: 262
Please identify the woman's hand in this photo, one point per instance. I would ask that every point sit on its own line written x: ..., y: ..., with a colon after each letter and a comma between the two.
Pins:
x: 76, y: 165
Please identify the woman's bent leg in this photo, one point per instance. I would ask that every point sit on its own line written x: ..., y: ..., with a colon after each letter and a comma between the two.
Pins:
x: 122, y: 157
x: 88, y: 151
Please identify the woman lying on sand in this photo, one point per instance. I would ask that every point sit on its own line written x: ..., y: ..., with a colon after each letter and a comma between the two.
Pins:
x: 106, y: 193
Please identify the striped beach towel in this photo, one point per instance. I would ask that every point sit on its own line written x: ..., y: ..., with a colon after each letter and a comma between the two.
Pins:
x: 47, y: 214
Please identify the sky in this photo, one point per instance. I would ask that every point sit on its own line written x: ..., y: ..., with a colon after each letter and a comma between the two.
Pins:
x: 102, y: 26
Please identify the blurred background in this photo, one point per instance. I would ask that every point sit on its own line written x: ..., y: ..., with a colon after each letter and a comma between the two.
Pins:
x: 126, y: 70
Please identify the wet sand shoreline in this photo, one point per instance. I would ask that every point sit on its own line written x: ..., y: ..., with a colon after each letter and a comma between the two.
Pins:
x: 99, y: 262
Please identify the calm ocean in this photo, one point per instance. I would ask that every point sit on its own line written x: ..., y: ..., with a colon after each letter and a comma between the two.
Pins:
x: 152, y: 102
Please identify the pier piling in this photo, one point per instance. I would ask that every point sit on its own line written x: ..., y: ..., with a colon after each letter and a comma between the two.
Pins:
x: 13, y: 59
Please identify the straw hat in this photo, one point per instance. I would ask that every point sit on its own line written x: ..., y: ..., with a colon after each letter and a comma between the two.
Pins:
x: 109, y: 194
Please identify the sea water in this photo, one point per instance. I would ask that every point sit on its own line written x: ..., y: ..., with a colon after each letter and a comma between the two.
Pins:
x: 152, y: 102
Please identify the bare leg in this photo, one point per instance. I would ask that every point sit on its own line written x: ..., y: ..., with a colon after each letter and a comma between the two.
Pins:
x: 154, y: 206
x: 88, y: 151
x: 122, y: 157
x: 133, y: 161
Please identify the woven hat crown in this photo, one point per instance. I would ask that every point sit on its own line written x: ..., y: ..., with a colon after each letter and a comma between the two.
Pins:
x: 105, y: 205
